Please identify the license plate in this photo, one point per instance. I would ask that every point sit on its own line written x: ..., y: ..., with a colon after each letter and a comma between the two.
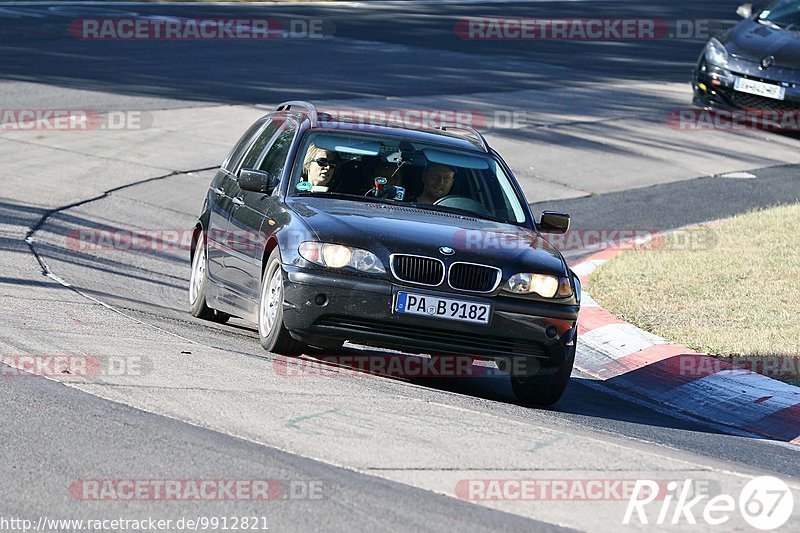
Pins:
x: 759, y: 88
x: 434, y: 306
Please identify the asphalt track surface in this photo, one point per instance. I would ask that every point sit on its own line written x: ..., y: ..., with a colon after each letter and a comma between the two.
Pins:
x: 404, y: 34
x: 184, y: 422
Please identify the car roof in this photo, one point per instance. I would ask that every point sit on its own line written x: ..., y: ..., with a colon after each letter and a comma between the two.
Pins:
x: 404, y: 132
x: 450, y: 135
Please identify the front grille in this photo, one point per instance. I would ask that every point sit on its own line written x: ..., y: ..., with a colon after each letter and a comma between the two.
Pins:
x: 427, y: 339
x: 416, y: 269
x: 761, y: 103
x: 476, y: 278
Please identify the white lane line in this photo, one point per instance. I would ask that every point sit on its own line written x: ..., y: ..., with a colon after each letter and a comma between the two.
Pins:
x: 737, y: 175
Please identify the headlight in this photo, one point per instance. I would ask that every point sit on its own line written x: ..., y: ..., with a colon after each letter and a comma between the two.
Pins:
x: 716, y: 54
x: 541, y: 284
x: 338, y: 256
x: 366, y: 262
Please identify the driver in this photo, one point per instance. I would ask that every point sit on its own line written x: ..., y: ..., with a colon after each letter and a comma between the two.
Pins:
x: 436, y: 183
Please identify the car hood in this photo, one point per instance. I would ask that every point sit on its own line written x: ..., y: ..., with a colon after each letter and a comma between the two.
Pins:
x: 386, y: 229
x: 753, y: 41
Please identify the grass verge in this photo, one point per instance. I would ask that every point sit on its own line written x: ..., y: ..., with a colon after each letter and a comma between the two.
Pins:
x: 730, y: 288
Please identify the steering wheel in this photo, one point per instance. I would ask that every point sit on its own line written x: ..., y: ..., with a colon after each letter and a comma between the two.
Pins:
x: 465, y: 203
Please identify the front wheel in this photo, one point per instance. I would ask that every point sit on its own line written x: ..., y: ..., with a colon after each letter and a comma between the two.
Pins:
x: 543, y: 390
x: 273, y: 334
x: 198, y: 283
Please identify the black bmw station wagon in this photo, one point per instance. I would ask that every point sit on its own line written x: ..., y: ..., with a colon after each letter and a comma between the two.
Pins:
x: 323, y: 231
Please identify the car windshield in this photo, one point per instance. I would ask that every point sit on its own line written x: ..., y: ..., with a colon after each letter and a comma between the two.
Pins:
x: 388, y: 170
x: 784, y: 14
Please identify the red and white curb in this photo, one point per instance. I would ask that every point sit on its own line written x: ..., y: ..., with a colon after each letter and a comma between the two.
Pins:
x: 672, y: 375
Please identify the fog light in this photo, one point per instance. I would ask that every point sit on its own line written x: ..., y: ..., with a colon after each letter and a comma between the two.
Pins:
x: 551, y: 331
x: 320, y: 299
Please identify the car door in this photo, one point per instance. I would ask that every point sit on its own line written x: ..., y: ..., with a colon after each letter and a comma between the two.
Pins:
x: 254, y: 214
x: 220, y: 195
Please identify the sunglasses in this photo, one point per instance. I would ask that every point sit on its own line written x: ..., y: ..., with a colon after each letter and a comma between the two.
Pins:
x: 324, y: 162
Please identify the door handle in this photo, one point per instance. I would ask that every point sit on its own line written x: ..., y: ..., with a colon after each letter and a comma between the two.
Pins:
x: 218, y: 191
x: 237, y: 201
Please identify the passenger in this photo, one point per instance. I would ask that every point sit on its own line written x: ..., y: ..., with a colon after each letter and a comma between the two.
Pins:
x: 318, y: 167
x: 436, y: 183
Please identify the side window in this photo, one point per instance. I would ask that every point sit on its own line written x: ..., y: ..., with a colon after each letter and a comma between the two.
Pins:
x: 241, y: 145
x: 275, y: 158
x: 262, y: 141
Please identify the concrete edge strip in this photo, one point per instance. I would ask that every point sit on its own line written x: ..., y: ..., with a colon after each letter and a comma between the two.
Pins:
x: 648, y: 366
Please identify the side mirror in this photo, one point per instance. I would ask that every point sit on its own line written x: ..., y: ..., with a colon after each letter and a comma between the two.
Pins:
x: 745, y: 10
x: 554, y: 222
x: 256, y: 181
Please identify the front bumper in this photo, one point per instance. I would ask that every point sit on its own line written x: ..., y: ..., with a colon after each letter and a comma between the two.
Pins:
x: 713, y: 87
x: 359, y: 310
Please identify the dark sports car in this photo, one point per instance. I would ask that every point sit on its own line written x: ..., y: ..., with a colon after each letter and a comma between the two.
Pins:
x: 754, y: 65
x: 323, y: 231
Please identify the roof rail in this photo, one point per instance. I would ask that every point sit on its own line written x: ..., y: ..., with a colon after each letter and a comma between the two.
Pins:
x: 309, y: 108
x: 475, y: 136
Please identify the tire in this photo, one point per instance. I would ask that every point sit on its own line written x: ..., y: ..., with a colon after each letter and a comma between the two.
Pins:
x: 198, y: 283
x: 271, y: 331
x: 544, y: 390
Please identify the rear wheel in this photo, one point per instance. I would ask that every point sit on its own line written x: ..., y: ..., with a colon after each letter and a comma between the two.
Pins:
x: 273, y: 334
x: 546, y: 389
x: 198, y: 283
